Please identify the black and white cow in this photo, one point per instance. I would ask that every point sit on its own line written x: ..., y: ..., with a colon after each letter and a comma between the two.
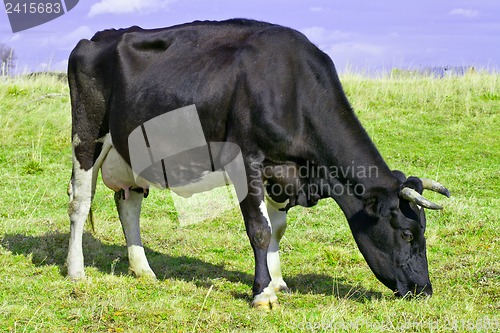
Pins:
x: 271, y: 92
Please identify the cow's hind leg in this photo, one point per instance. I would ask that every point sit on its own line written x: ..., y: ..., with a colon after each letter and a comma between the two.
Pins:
x: 80, y: 198
x: 129, y: 211
x: 277, y: 218
x: 81, y: 191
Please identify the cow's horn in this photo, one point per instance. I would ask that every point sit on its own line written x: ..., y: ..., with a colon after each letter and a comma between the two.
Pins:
x: 413, y: 196
x: 433, y: 185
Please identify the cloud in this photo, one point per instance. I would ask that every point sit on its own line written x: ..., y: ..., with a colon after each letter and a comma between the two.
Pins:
x: 359, y: 49
x: 12, y: 38
x: 118, y: 7
x: 339, y: 40
x: 316, y: 9
x: 60, y: 66
x: 67, y: 41
x: 350, y: 47
x: 322, y: 36
x: 357, y: 55
x: 464, y: 12
x: 77, y: 34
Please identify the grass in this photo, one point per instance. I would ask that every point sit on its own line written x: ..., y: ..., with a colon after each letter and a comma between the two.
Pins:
x: 446, y: 129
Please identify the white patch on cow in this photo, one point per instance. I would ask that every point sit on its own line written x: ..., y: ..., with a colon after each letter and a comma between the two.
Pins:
x: 76, y: 140
x: 117, y: 173
x: 266, y: 300
x: 263, y: 210
x: 278, y: 223
x: 276, y: 220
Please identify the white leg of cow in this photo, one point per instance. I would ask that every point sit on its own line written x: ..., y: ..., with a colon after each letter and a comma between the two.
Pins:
x: 266, y: 299
x: 129, y: 211
x: 80, y: 198
x: 278, y: 226
x: 81, y: 191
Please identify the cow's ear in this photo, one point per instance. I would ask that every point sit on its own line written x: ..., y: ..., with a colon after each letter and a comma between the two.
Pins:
x: 400, y: 176
x: 378, y: 203
x: 411, y: 182
x: 414, y: 183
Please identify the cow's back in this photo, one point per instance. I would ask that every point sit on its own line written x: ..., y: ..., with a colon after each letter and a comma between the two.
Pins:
x: 129, y: 76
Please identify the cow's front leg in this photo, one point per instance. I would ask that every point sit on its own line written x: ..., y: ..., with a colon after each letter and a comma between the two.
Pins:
x: 258, y: 230
x: 129, y: 211
x: 277, y: 218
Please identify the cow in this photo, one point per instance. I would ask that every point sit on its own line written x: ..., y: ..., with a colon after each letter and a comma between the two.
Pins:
x: 272, y: 93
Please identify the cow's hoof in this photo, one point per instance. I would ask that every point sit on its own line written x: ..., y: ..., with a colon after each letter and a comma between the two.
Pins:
x: 266, y: 300
x: 284, y: 289
x: 280, y: 286
x: 76, y: 277
x: 143, y: 274
x: 266, y: 306
x: 75, y: 274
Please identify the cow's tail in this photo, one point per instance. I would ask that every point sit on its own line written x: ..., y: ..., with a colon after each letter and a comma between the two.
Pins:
x: 90, y: 219
x: 106, y: 147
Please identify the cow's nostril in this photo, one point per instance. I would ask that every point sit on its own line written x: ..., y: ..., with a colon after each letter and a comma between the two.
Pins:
x: 425, y: 290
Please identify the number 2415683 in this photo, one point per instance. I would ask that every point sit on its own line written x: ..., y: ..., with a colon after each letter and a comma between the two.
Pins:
x: 33, y: 8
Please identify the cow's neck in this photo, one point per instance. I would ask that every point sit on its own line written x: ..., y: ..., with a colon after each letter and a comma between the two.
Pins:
x: 357, y: 166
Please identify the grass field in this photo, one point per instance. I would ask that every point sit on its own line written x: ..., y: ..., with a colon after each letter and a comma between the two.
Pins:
x: 447, y: 129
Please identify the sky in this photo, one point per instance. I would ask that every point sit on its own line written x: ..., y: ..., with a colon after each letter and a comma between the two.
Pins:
x: 360, y: 35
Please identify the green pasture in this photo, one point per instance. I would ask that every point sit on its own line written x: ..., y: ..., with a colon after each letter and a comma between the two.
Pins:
x: 446, y: 129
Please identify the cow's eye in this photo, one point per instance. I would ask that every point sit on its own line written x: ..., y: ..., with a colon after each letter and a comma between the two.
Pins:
x: 407, y: 235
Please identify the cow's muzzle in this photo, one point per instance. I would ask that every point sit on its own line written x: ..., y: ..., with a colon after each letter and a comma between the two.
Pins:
x: 414, y: 291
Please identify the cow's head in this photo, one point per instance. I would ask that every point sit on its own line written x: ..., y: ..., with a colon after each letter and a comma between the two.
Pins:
x: 390, y: 231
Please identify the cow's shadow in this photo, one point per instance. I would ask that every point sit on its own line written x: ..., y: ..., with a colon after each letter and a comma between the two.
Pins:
x: 51, y: 249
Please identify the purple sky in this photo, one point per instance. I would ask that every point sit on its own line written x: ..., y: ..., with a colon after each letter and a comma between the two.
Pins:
x: 362, y: 34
